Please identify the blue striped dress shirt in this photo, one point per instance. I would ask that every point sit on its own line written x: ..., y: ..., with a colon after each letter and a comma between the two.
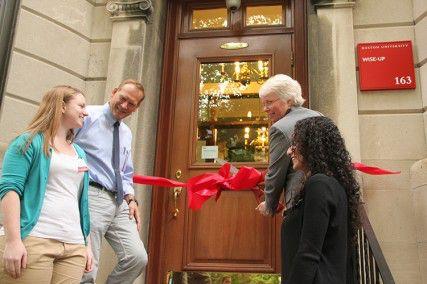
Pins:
x: 96, y: 139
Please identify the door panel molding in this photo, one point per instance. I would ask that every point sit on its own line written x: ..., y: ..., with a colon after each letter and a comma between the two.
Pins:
x: 231, y: 236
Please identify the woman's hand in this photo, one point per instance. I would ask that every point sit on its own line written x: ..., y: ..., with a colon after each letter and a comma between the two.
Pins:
x: 89, y: 258
x: 15, y: 253
x: 14, y: 257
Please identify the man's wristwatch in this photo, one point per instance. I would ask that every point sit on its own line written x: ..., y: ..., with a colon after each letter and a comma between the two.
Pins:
x: 133, y: 199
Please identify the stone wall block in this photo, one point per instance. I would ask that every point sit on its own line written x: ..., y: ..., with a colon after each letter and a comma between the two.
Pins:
x: 419, y: 174
x: 422, y: 84
x: 420, y: 207
x: 15, y: 117
x: 425, y: 124
x: 392, y: 137
x: 101, y: 25
x: 25, y: 75
x: 75, y: 14
x: 98, y: 59
x: 368, y: 12
x: 51, y: 42
x: 95, y: 92
x: 422, y: 253
x: 388, y: 182
x: 421, y: 39
x: 391, y: 214
x: 420, y: 7
x: 402, y: 259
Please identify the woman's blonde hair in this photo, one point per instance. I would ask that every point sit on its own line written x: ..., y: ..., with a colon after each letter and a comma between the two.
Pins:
x: 48, y: 117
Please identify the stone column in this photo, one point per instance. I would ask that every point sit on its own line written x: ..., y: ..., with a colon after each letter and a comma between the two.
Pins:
x: 419, y: 189
x: 333, y: 68
x: 136, y: 52
x: 127, y: 39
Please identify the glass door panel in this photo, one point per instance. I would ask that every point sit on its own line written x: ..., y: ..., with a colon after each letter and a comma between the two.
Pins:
x: 204, y: 19
x: 231, y: 124
x: 269, y: 15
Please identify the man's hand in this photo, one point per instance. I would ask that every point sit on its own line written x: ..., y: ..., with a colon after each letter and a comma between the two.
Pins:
x: 262, y: 208
x: 15, y: 258
x: 133, y: 210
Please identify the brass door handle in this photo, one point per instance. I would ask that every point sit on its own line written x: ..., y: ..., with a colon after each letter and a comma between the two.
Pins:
x: 176, y: 193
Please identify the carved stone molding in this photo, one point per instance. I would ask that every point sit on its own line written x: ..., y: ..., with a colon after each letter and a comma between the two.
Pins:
x: 120, y: 10
x: 333, y: 3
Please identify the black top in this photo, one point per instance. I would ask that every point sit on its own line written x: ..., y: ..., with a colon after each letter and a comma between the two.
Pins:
x: 315, y: 234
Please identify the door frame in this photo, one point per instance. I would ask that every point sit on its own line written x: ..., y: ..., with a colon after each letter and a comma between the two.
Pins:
x: 159, y: 205
x: 8, y: 19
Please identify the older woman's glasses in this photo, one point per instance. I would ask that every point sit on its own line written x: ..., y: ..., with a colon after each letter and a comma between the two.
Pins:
x: 269, y: 103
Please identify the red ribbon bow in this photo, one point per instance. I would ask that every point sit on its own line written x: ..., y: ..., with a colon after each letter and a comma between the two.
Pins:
x: 202, y: 187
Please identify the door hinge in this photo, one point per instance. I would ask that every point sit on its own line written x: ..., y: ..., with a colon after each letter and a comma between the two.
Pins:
x: 292, y: 59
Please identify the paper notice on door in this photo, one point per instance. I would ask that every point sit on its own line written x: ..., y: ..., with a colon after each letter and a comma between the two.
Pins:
x: 209, y: 152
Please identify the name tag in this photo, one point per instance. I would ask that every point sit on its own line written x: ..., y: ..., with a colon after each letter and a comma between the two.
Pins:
x: 81, y: 166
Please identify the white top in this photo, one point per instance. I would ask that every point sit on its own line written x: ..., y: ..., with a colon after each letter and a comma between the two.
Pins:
x: 60, y: 215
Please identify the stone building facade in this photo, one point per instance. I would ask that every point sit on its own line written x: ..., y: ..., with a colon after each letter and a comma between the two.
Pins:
x: 92, y: 45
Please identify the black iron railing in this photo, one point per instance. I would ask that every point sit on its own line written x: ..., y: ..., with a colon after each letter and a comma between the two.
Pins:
x: 372, y: 267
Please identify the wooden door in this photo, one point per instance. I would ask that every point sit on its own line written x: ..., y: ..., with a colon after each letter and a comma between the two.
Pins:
x: 227, y: 235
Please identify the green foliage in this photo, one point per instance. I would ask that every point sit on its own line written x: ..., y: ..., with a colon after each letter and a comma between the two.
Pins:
x: 227, y: 278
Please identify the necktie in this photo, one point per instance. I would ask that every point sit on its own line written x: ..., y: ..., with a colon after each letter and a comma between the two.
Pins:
x: 116, y: 163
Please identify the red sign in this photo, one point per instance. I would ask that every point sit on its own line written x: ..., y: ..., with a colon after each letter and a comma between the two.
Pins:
x: 386, y: 65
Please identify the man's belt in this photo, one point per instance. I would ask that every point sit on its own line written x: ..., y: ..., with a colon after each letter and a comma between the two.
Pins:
x: 100, y: 186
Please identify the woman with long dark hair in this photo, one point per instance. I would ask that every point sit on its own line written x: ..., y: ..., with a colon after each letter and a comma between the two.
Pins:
x: 320, y: 230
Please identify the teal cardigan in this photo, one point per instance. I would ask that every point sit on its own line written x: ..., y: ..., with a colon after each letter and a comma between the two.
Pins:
x: 27, y: 175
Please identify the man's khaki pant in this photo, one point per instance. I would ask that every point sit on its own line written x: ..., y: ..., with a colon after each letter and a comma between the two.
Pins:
x: 49, y: 261
x: 112, y: 222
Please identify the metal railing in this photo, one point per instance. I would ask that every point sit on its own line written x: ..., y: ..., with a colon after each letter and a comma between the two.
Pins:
x: 372, y: 266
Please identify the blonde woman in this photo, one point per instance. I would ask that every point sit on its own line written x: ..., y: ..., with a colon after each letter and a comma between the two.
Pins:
x: 44, y: 193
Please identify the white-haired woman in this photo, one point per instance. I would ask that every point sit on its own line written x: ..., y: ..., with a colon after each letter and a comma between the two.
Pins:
x: 44, y: 196
x: 282, y: 100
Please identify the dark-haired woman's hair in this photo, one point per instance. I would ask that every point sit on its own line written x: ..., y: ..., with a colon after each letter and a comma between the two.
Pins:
x: 323, y: 150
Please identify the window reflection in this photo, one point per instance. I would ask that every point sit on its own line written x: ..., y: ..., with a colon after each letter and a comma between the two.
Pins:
x: 209, y: 19
x: 264, y: 15
x: 230, y: 117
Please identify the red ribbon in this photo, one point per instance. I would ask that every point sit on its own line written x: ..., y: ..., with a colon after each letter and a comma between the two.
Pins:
x: 202, y: 187
x: 372, y: 170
